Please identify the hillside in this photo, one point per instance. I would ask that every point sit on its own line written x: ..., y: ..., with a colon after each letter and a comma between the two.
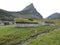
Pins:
x: 30, y: 9
x: 4, y: 15
x: 54, y: 16
x: 28, y: 12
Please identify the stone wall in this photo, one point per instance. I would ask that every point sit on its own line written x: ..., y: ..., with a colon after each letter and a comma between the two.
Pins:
x: 25, y: 25
x: 1, y: 24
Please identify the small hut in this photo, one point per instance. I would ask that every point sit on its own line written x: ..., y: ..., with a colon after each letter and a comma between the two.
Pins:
x: 25, y: 23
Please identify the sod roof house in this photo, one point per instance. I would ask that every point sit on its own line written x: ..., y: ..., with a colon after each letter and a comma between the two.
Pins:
x: 25, y: 23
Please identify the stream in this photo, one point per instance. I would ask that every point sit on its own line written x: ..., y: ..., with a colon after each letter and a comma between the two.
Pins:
x: 36, y: 36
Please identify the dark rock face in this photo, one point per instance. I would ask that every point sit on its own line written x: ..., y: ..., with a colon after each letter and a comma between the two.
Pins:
x: 30, y: 9
x: 54, y: 16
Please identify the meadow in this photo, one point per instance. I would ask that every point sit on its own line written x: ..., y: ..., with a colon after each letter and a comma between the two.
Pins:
x: 52, y: 38
x: 10, y: 35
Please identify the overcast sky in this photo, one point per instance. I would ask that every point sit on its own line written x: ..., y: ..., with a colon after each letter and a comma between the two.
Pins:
x: 44, y: 7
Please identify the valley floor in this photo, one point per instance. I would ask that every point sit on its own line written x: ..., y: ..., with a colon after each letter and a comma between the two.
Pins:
x: 41, y: 35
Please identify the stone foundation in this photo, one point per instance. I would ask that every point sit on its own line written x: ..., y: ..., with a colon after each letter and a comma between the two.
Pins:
x: 26, y: 25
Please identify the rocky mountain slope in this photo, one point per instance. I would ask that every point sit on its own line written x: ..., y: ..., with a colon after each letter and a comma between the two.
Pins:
x: 28, y: 12
x: 54, y: 16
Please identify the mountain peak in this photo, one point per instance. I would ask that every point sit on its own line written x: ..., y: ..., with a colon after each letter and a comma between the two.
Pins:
x: 56, y: 13
x: 32, y: 5
x: 30, y: 9
x: 54, y: 16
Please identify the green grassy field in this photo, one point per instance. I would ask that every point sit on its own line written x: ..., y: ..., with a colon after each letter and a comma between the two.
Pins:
x: 52, y: 38
x: 9, y: 35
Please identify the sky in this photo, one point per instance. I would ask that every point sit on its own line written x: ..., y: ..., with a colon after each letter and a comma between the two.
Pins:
x: 44, y: 7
